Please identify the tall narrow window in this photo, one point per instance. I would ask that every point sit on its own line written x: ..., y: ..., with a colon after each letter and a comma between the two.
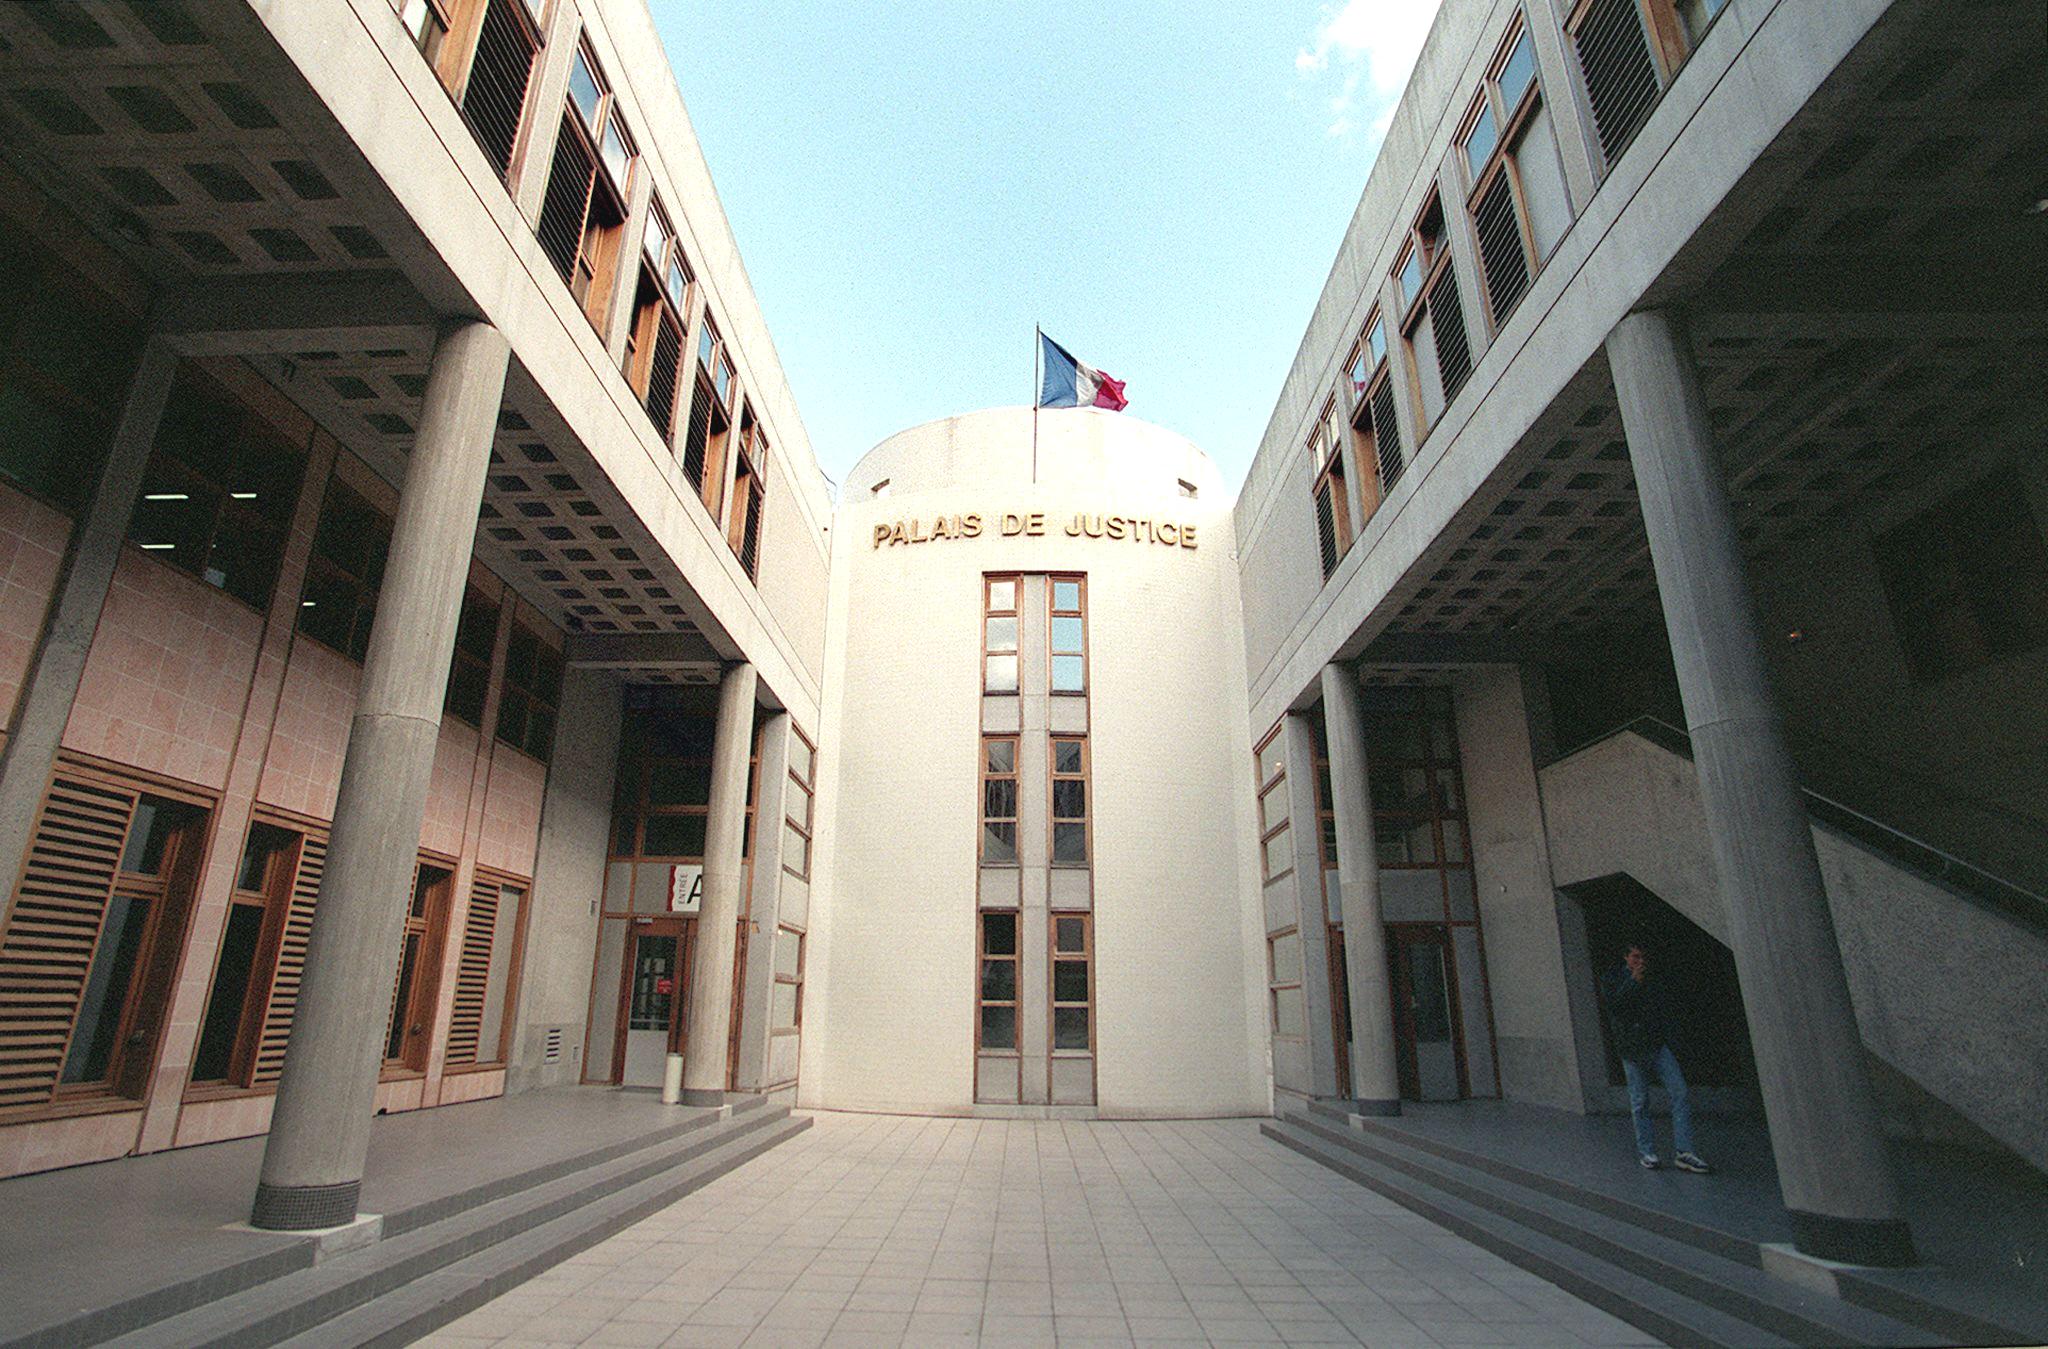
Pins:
x: 1283, y: 982
x: 1518, y: 203
x: 91, y: 948
x: 1068, y: 596
x: 1276, y: 846
x: 999, y: 799
x: 583, y: 212
x: 661, y: 311
x: 704, y: 444
x: 743, y: 530
x: 1375, y: 434
x: 347, y: 567
x: 1332, y: 502
x: 786, y: 999
x: 796, y: 824
x: 1069, y: 801
x: 419, y: 962
x: 485, y: 972
x: 532, y: 692
x: 999, y: 636
x: 469, y: 675
x: 493, y: 99
x: 996, y: 1025
x: 1073, y: 982
x: 230, y: 1033
x: 218, y: 495
x: 1433, y: 318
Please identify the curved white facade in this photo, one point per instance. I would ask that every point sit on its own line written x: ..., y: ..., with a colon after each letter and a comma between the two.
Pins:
x: 1140, y: 516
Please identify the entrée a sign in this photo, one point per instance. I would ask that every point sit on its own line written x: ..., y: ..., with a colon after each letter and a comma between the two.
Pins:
x: 1031, y: 525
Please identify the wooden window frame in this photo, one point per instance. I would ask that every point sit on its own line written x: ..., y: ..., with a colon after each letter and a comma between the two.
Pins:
x: 274, y: 896
x: 550, y: 665
x: 989, y: 581
x: 1053, y: 819
x: 804, y: 789
x: 1053, y: 1003
x: 243, y: 438
x: 594, y: 276
x: 1053, y: 581
x: 1327, y: 478
x: 1264, y: 788
x: 1509, y: 126
x: 362, y: 591
x: 784, y: 932
x: 1274, y: 985
x: 429, y: 926
x: 1015, y: 778
x: 500, y: 1053
x: 749, y: 493
x: 1015, y: 1002
x: 1436, y: 270
x: 712, y: 361
x: 657, y: 309
x: 1368, y: 375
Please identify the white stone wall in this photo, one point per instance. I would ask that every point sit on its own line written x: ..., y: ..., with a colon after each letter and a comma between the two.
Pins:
x: 889, y: 1016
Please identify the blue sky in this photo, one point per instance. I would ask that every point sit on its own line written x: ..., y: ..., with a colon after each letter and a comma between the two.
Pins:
x: 1162, y: 186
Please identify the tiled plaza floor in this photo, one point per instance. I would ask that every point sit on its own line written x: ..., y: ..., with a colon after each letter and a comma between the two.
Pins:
x: 873, y: 1229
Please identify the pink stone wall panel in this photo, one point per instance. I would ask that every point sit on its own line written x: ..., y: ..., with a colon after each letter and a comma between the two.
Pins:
x: 234, y: 1117
x: 448, y: 789
x: 460, y: 1087
x: 400, y: 1095
x: 168, y: 675
x: 302, y: 772
x: 48, y: 1144
x: 512, y: 812
x: 32, y: 542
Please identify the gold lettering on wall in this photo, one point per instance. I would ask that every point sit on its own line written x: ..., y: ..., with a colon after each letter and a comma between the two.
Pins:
x: 1031, y: 525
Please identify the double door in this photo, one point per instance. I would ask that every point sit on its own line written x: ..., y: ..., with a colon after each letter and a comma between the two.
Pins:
x: 653, y: 999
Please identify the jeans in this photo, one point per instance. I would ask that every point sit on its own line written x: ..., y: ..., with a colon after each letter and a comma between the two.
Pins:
x: 1666, y: 1065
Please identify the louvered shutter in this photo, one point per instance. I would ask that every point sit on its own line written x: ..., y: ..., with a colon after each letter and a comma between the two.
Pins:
x: 473, y: 974
x: 697, y: 444
x: 567, y: 201
x: 498, y: 78
x: 1447, y: 319
x: 55, y: 926
x: 1621, y: 75
x: 1386, y: 435
x: 1326, y: 527
x: 291, y: 958
x: 750, y: 541
x: 662, y: 375
x: 1500, y: 248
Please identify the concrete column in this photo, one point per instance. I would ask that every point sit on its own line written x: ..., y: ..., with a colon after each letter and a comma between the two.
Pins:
x: 710, y: 1011
x: 1832, y: 1165
x: 320, y: 1129
x: 50, y: 684
x: 1375, y: 1080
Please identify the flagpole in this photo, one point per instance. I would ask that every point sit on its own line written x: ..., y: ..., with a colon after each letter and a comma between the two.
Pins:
x: 1037, y: 352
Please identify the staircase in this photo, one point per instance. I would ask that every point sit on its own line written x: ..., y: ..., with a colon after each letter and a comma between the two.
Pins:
x: 1685, y: 1282
x: 438, y: 1260
x: 1944, y: 960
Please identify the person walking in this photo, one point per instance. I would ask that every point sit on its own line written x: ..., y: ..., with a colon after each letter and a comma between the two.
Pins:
x: 1641, y: 1019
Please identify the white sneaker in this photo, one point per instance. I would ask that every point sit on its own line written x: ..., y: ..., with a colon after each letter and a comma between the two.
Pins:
x: 1693, y: 1162
x: 1651, y: 1161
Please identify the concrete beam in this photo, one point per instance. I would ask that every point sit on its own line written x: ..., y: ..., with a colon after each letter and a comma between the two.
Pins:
x: 330, y: 311
x: 639, y: 651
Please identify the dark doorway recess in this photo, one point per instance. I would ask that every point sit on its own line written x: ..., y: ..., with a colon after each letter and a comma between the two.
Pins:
x: 1699, y: 972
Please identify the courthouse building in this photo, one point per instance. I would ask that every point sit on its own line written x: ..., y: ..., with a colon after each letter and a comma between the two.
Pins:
x: 437, y: 668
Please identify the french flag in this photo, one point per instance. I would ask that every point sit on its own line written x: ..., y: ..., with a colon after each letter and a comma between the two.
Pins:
x: 1067, y: 383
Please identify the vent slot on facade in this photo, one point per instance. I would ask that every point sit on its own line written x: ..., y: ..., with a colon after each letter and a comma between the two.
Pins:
x: 551, y: 1051
x: 1326, y: 528
x: 661, y: 378
x: 1500, y: 248
x: 1621, y: 74
x: 696, y: 444
x: 1453, y: 348
x: 1386, y: 435
x: 498, y: 79
x: 566, y: 203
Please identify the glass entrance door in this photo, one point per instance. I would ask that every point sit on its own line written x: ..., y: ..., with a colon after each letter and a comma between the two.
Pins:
x: 1424, y: 1014
x: 651, y: 1003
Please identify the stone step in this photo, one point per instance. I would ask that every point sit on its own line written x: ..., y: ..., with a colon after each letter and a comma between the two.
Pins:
x: 426, y: 1304
x: 1678, y: 1292
x: 674, y: 1162
x: 1954, y: 1305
